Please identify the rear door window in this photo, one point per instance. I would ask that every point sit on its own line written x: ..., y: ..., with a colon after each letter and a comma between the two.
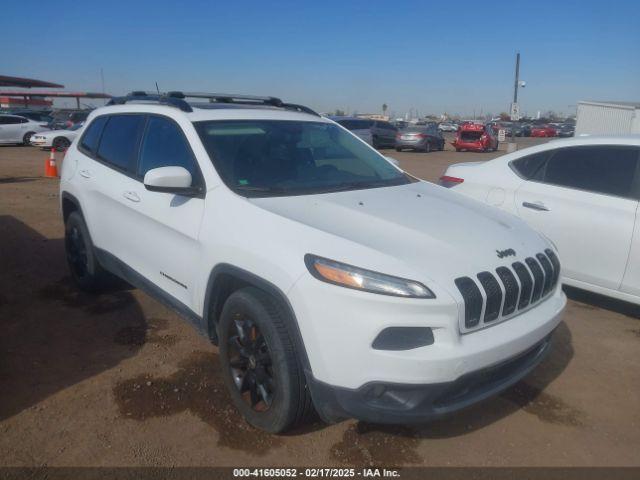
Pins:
x: 609, y: 170
x: 91, y: 136
x: 120, y: 140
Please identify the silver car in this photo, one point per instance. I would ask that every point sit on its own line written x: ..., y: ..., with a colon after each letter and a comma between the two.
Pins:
x: 378, y: 133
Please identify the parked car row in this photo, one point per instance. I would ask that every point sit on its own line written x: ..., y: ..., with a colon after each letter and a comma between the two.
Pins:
x: 63, y: 118
x: 381, y: 134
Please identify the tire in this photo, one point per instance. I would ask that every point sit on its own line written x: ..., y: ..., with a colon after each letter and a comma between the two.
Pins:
x: 86, y: 272
x: 427, y: 147
x: 26, y: 139
x: 60, y: 144
x: 260, y: 365
x: 398, y: 149
x: 441, y: 148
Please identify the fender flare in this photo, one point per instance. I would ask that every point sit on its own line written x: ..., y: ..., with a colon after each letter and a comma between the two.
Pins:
x: 212, y: 305
x: 73, y: 199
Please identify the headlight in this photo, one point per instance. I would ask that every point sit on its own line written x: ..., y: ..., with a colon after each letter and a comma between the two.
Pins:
x: 349, y: 276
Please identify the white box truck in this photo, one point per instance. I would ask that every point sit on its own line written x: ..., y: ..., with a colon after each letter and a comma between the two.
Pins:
x: 608, y: 118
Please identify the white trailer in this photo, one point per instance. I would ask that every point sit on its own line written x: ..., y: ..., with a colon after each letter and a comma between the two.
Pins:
x: 608, y: 118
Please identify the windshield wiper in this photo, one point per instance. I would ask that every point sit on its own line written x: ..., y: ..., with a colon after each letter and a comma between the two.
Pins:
x: 261, y: 190
x: 358, y: 185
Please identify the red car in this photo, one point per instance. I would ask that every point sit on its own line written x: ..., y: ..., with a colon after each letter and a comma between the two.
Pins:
x: 475, y: 137
x: 543, y: 131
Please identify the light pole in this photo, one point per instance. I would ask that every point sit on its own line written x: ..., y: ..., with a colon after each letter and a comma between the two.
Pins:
x: 515, y: 110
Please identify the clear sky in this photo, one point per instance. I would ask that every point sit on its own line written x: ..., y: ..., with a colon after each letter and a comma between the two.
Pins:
x: 446, y: 55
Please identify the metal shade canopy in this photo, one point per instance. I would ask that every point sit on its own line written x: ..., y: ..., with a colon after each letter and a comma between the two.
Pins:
x: 6, y: 81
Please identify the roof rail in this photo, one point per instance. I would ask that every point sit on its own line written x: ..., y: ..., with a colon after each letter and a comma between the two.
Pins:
x: 172, y: 99
x: 247, y: 100
x: 177, y: 99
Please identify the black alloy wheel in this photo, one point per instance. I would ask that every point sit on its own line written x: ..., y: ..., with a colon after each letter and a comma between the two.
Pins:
x: 251, y: 365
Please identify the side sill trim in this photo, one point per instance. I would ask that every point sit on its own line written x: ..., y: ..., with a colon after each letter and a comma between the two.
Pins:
x: 116, y: 266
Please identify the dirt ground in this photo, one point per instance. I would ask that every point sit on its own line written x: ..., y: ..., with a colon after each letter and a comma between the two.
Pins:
x: 117, y: 379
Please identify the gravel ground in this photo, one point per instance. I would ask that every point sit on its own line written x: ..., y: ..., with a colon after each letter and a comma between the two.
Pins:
x: 119, y: 380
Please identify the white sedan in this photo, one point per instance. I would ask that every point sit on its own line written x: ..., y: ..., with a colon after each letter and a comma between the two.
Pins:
x: 582, y: 193
x: 17, y: 129
x: 58, y: 139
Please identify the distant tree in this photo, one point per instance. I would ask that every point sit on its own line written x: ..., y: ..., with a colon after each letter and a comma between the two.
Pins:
x: 504, y: 116
x: 339, y: 113
x: 384, y: 108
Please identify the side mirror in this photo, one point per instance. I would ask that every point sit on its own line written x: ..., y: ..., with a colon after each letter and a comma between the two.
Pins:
x: 175, y: 180
x: 394, y: 161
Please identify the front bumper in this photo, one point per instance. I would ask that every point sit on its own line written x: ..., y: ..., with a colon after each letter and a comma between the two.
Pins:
x: 381, y: 402
x: 39, y: 142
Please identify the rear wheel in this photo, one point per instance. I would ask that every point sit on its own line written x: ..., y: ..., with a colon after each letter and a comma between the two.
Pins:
x: 260, y: 365
x: 87, y: 273
x: 398, y: 149
x: 60, y: 144
x: 26, y: 139
x: 427, y: 147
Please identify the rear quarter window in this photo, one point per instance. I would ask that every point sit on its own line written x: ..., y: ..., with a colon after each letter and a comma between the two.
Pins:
x: 530, y: 167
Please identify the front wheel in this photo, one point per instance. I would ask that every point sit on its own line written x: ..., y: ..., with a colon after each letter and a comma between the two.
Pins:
x: 26, y: 139
x: 260, y: 365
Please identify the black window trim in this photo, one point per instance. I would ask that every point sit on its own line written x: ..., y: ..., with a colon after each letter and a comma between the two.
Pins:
x: 201, y: 184
x: 134, y: 174
x: 112, y: 166
x: 634, y: 191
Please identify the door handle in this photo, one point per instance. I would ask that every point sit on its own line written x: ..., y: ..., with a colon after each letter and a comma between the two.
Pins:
x: 133, y: 196
x: 85, y: 173
x: 535, y: 206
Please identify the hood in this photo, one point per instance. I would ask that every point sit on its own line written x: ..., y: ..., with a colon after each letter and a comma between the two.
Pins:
x: 430, y: 229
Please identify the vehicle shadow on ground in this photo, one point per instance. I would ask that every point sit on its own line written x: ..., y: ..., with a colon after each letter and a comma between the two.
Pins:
x: 53, y: 335
x: 369, y: 444
x: 595, y: 300
x: 17, y: 179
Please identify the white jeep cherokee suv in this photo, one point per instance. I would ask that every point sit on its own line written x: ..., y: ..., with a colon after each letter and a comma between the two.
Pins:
x: 325, y: 274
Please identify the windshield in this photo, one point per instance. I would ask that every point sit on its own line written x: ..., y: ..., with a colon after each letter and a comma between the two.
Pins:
x: 279, y: 158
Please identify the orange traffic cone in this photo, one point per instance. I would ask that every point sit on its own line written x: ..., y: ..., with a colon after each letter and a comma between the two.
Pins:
x: 50, y: 167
